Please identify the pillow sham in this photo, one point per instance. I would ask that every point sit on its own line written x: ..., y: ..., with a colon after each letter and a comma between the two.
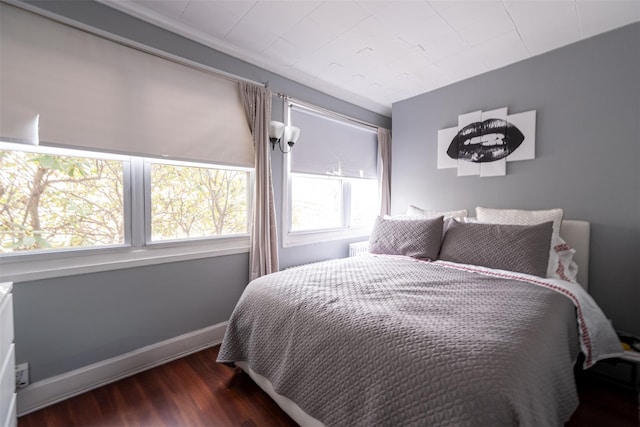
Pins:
x: 418, y: 238
x: 519, y: 248
x: 521, y: 217
x: 561, y: 265
x: 414, y: 211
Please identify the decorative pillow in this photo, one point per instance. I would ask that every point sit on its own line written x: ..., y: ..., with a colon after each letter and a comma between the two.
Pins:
x: 418, y: 238
x: 561, y: 265
x: 414, y: 211
x: 519, y: 248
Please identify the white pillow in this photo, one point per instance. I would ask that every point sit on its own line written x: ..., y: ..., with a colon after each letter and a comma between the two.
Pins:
x: 414, y: 211
x: 561, y: 265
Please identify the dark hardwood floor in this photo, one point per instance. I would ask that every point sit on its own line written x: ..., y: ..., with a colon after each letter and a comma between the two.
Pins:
x: 196, y: 391
x: 192, y: 391
x: 605, y: 404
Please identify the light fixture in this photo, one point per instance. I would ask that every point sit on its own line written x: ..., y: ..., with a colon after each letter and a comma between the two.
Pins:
x: 278, y: 132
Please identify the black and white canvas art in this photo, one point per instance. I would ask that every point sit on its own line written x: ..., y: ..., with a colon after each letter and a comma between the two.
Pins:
x: 484, y: 141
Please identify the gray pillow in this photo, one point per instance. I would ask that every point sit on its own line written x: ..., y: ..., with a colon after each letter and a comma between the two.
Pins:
x: 519, y: 248
x: 418, y: 238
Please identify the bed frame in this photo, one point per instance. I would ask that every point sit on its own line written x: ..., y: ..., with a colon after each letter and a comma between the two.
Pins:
x: 575, y: 233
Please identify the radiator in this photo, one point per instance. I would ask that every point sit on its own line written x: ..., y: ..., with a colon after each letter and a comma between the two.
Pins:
x: 358, y: 248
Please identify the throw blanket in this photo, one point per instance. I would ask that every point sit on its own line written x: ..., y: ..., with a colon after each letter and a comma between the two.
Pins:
x: 389, y: 341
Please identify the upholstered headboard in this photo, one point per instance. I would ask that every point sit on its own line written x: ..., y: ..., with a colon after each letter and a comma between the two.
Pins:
x: 576, y: 234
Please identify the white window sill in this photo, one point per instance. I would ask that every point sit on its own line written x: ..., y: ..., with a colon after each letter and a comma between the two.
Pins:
x: 300, y: 238
x: 24, y: 268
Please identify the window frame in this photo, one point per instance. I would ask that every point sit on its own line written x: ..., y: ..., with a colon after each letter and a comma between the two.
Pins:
x: 136, y: 251
x: 292, y: 238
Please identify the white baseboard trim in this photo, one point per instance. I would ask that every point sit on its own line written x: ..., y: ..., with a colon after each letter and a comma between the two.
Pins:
x: 55, y: 389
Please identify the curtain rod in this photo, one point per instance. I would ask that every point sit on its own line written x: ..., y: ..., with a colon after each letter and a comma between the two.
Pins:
x: 325, y: 111
x: 123, y: 41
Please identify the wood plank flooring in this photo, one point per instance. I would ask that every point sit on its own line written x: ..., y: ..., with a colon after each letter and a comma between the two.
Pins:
x: 604, y: 404
x: 192, y: 391
x: 195, y: 391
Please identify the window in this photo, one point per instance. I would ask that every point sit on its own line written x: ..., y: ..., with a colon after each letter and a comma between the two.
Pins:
x: 53, y: 199
x: 316, y: 202
x: 331, y: 178
x: 364, y: 202
x: 197, y: 201
x: 74, y: 212
x: 71, y: 204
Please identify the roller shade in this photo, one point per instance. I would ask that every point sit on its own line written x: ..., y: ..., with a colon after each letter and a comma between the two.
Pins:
x: 329, y: 146
x: 92, y: 93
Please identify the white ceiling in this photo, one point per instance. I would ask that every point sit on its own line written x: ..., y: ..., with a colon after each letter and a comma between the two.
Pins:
x: 373, y: 53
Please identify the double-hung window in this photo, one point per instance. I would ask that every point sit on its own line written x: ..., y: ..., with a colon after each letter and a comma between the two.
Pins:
x: 331, y: 178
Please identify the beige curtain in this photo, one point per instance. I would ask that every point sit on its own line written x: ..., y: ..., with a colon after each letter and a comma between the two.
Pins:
x: 263, y: 253
x: 384, y: 153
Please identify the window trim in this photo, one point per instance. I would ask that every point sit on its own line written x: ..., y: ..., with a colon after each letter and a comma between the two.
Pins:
x: 305, y: 237
x: 135, y: 251
x: 21, y: 269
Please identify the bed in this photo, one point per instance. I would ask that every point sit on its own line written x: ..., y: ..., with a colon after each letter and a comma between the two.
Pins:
x: 390, y: 339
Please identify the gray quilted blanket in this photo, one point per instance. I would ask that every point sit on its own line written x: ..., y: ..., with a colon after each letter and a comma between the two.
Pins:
x: 391, y: 341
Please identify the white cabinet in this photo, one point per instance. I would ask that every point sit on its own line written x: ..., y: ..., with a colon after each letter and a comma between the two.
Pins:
x: 7, y: 359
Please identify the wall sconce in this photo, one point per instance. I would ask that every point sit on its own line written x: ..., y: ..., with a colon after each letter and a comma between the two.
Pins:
x: 279, y: 132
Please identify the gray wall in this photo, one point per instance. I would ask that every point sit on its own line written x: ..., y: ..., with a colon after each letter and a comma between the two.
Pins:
x: 587, y: 98
x: 66, y: 323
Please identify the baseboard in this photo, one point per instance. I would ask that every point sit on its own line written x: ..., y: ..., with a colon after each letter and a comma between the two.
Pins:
x: 55, y: 389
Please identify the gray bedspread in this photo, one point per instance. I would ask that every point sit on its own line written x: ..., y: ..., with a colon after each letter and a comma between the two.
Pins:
x: 391, y: 341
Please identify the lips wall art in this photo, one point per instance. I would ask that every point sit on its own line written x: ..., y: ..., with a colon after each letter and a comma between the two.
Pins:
x: 484, y: 141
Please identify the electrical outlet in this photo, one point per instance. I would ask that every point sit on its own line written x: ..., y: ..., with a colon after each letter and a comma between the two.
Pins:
x: 22, y: 375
